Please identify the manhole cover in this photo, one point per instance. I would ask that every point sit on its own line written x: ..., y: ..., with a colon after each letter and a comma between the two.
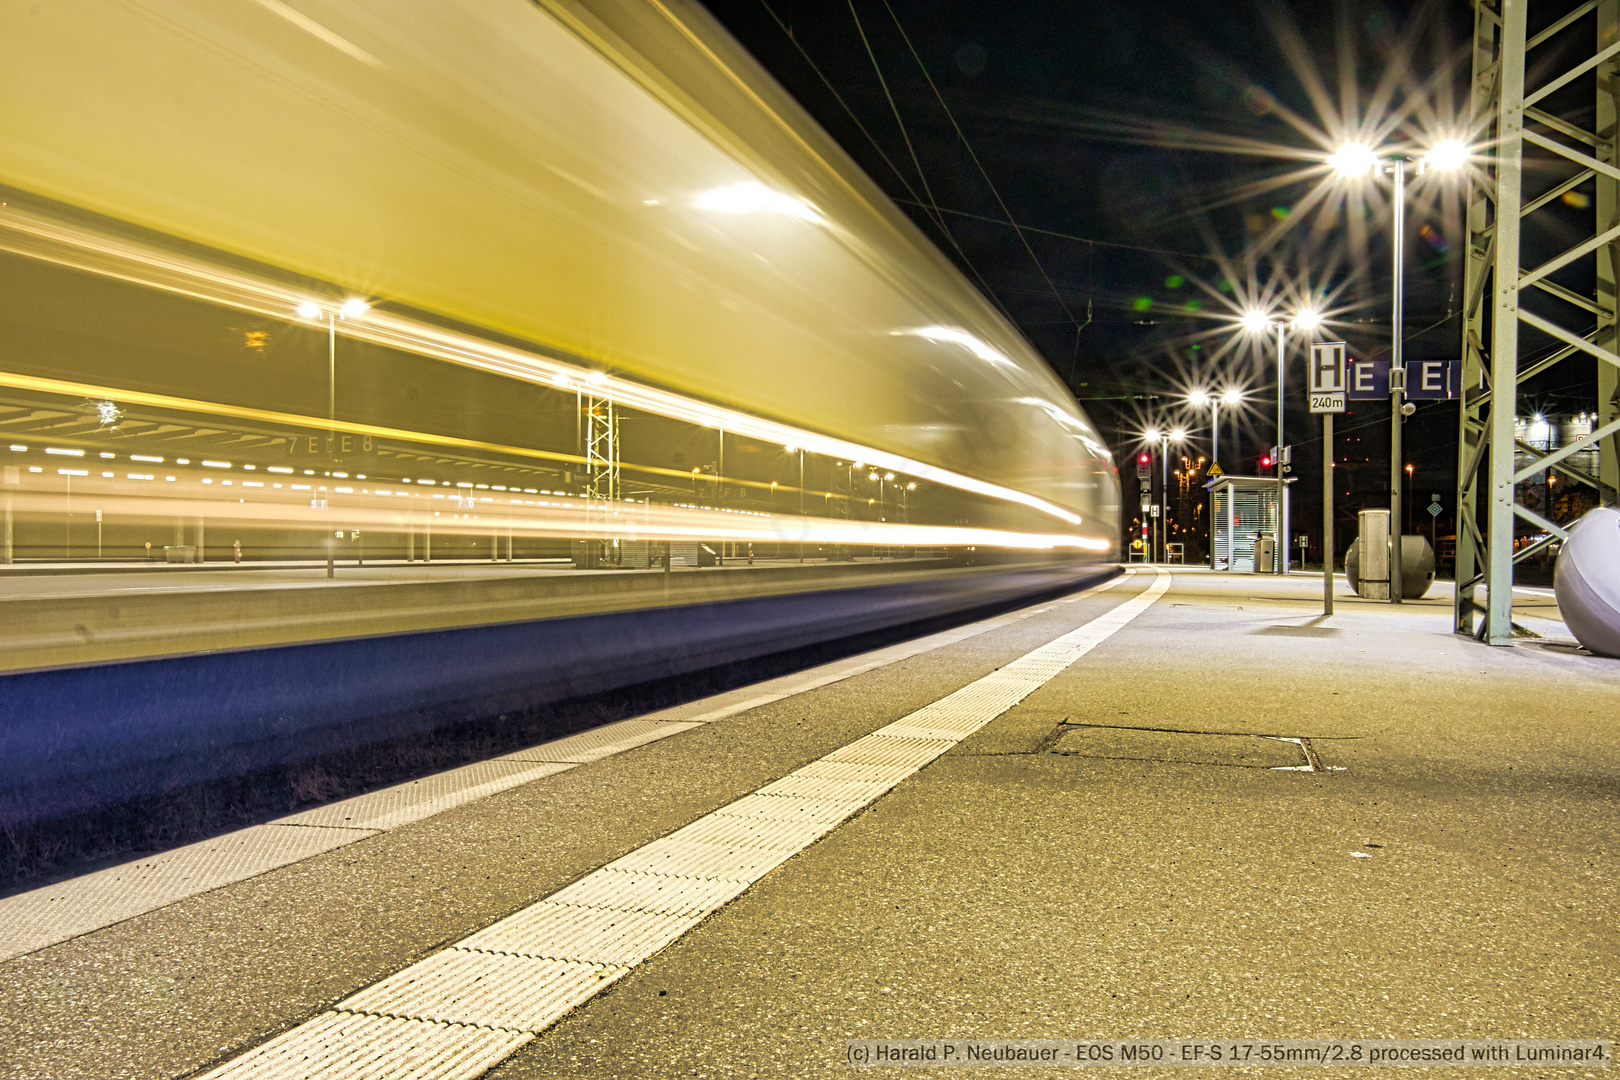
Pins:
x: 1134, y: 744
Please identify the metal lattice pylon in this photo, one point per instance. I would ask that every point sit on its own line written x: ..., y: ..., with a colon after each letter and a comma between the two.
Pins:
x: 601, y: 450
x: 602, y: 472
x: 1507, y: 116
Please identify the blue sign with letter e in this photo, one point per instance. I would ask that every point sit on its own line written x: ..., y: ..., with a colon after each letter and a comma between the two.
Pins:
x: 1369, y: 380
x: 1426, y: 380
x: 1432, y: 380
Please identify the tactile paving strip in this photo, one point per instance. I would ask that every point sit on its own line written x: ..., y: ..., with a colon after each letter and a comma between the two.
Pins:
x: 594, y: 935
x: 341, y: 1046
x: 491, y: 990
x: 598, y: 743
x: 45, y: 916
x: 529, y: 969
x: 418, y: 799
x: 887, y: 750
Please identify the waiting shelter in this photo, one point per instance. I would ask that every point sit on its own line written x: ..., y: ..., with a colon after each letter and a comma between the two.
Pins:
x: 1244, y: 520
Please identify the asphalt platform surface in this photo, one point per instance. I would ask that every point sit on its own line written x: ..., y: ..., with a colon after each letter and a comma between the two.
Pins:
x: 1134, y: 851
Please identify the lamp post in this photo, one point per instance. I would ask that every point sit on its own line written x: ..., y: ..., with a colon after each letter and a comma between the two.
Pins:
x: 1258, y: 322
x: 1198, y: 399
x: 1151, y: 436
x: 1177, y: 436
x: 1161, y: 525
x: 1231, y: 399
x: 349, y: 309
x: 800, y: 451
x: 1356, y: 161
x: 1409, y: 519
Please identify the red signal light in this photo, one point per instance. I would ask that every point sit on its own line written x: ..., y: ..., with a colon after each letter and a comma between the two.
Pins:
x: 1265, y: 461
x: 1143, y: 460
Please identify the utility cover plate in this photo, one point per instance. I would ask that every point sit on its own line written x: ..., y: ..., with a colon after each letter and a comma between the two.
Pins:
x: 1131, y: 744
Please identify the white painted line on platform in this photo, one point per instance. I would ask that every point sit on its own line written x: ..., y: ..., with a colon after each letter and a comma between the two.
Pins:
x: 53, y: 914
x: 527, y: 971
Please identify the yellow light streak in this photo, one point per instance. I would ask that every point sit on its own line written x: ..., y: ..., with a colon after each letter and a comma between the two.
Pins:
x: 320, y: 511
x: 40, y: 237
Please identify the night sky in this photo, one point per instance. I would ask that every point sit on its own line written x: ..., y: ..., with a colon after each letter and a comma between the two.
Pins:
x: 1160, y: 160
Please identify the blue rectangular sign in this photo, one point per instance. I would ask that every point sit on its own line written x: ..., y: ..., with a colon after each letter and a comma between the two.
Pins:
x: 1426, y: 380
x: 1431, y: 380
x: 1369, y: 380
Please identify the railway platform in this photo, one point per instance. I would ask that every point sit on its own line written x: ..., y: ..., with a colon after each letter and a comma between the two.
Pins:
x: 1177, y: 805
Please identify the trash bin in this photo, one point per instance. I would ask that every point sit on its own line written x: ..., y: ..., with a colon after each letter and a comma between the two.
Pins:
x: 1265, y: 555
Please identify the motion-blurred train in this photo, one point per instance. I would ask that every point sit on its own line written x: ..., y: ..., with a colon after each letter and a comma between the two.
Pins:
x: 556, y: 324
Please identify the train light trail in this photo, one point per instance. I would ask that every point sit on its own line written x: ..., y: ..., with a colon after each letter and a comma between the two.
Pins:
x: 751, y: 198
x: 959, y: 337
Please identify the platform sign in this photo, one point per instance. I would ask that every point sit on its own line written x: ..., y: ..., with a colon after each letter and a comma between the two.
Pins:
x: 1432, y: 380
x: 1369, y: 380
x: 1327, y: 377
x: 1425, y: 380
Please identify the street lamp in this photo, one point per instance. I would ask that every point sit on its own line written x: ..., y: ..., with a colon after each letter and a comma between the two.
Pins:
x: 349, y: 309
x: 1198, y: 399
x: 1356, y: 161
x: 1258, y: 322
x: 1231, y: 399
x: 800, y: 451
x: 1162, y: 524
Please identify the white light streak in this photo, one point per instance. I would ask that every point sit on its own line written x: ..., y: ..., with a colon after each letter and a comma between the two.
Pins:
x: 753, y: 197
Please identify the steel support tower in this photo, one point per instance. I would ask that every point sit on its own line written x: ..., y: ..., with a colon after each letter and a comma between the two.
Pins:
x: 602, y: 485
x: 601, y: 450
x: 1571, y: 143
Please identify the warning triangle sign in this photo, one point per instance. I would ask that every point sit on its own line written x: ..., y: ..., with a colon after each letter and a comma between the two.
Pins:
x: 1215, y: 471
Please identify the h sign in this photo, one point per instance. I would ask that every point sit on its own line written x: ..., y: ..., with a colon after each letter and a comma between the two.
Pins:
x: 1327, y: 377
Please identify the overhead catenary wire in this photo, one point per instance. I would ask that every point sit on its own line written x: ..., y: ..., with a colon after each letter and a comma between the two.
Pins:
x: 1091, y: 266
x: 930, y: 206
x: 1077, y: 239
x: 833, y: 90
x: 915, y: 199
x: 936, y: 213
x: 977, y: 163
